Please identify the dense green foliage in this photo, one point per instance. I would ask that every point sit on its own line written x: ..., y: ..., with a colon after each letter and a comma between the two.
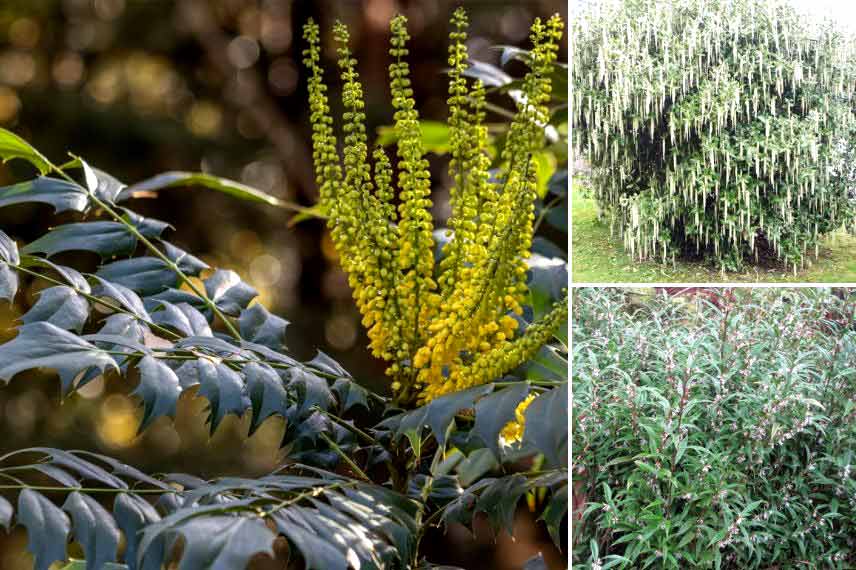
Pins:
x: 715, y: 431
x: 363, y: 479
x: 716, y: 129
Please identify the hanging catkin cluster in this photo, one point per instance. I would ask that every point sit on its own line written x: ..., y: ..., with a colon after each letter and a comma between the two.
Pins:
x: 442, y: 326
x: 715, y: 128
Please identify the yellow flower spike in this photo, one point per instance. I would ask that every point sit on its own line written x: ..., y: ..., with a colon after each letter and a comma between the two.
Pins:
x: 445, y: 326
x: 513, y: 430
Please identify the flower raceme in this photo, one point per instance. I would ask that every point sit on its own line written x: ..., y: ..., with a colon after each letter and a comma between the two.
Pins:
x: 454, y: 323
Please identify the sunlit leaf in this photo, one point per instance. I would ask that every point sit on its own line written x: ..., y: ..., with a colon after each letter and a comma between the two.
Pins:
x: 189, y: 179
x: 223, y: 542
x: 60, y: 306
x: 229, y: 292
x: 13, y: 146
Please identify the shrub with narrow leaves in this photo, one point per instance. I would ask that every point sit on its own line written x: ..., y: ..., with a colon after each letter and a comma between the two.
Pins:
x: 715, y: 431
x: 716, y: 129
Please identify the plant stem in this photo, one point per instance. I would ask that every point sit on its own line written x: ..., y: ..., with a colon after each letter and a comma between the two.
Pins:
x: 352, y: 428
x: 97, y: 300
x: 132, y: 229
x: 335, y: 447
x: 545, y: 210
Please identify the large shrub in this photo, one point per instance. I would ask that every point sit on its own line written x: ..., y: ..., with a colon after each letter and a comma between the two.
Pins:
x: 715, y: 431
x: 715, y: 128
x: 365, y: 476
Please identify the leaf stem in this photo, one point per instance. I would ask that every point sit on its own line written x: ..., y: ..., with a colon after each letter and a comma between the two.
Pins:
x: 352, y: 428
x: 97, y: 300
x: 335, y: 447
x: 132, y: 229
x: 546, y: 210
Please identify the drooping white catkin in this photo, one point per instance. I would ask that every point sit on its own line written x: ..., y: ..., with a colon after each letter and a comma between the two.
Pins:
x: 699, y: 114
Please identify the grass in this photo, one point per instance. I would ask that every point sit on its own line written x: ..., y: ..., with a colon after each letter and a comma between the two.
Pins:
x: 599, y: 257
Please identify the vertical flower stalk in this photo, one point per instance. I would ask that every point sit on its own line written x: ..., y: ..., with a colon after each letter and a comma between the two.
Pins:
x: 445, y: 325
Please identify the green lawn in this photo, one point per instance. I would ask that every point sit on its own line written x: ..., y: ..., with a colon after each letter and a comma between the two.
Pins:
x: 599, y: 257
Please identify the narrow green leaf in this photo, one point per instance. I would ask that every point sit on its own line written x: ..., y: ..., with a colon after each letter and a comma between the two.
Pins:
x: 179, y: 179
x: 12, y: 146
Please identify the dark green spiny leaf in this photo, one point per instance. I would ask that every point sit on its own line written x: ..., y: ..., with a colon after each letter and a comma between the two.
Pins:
x: 546, y: 426
x: 260, y: 326
x: 47, y: 528
x: 267, y: 393
x: 224, y: 389
x: 228, y: 292
x: 60, y: 194
x: 60, y: 306
x: 159, y: 388
x: 43, y: 345
x: 132, y: 514
x: 494, y: 411
x: 93, y: 528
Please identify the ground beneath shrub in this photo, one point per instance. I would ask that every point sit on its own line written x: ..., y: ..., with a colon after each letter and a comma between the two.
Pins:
x: 599, y: 257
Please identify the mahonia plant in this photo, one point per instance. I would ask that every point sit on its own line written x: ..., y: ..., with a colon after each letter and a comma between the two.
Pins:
x: 716, y: 129
x: 362, y: 481
x: 451, y: 324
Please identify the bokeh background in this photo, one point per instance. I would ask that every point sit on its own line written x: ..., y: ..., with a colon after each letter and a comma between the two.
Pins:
x: 138, y: 87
